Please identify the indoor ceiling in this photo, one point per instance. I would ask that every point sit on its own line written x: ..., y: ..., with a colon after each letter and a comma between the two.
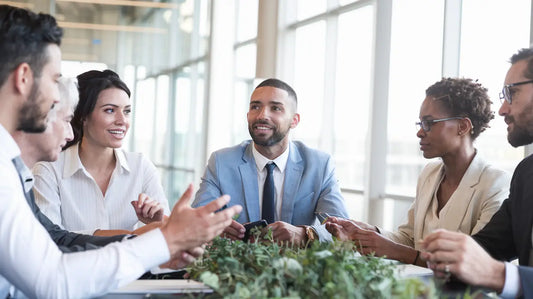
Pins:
x: 92, y: 27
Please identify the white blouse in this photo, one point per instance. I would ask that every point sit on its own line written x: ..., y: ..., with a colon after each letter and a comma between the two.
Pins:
x: 67, y: 193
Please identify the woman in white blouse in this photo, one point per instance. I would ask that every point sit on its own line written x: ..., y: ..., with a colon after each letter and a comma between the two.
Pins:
x: 95, y: 187
x: 460, y: 192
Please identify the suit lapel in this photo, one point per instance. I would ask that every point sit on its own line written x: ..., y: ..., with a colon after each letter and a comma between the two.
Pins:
x: 461, y: 198
x: 248, y: 171
x: 426, y: 199
x: 293, y: 176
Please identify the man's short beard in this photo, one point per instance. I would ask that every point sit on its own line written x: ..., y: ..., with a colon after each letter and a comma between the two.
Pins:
x: 30, y: 115
x: 519, y: 136
x: 276, y: 137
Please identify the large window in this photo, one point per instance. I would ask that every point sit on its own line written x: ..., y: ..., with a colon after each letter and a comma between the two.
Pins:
x: 330, y: 72
x: 486, y: 46
x: 416, y: 58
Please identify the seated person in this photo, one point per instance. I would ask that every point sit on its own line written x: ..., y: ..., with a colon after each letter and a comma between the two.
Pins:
x: 30, y: 262
x: 283, y: 182
x: 46, y: 146
x: 478, y: 260
x: 460, y: 192
x: 91, y: 187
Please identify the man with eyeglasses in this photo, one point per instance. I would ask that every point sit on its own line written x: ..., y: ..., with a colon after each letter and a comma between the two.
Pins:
x: 477, y: 260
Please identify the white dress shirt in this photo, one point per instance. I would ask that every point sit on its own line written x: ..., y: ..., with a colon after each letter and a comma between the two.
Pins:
x: 67, y: 193
x: 31, y: 261
x: 279, y: 177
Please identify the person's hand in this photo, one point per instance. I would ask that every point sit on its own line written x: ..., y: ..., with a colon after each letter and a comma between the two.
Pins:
x: 187, y: 228
x: 342, y: 229
x: 184, y: 258
x: 283, y: 231
x: 235, y: 231
x: 147, y: 209
x: 460, y: 255
x: 371, y: 242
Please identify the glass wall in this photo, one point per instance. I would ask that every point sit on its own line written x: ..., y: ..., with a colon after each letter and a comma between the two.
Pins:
x: 330, y: 51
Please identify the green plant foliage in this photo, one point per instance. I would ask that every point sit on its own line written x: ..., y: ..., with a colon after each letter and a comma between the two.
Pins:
x: 234, y: 269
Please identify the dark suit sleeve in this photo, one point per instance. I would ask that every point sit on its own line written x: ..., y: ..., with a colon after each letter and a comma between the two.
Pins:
x: 526, y: 279
x: 65, y: 240
x: 508, y: 233
x: 497, y: 236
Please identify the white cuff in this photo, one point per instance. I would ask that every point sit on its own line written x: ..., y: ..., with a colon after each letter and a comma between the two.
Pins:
x: 511, y: 287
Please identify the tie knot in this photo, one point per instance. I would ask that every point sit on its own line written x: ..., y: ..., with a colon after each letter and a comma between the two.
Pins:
x: 270, y: 167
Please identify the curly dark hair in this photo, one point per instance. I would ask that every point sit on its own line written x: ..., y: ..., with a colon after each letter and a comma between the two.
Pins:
x: 90, y: 84
x: 24, y: 36
x: 464, y: 97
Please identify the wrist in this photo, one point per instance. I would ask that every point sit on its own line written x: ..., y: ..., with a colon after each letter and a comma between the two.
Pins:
x: 172, y: 243
x: 309, y: 234
x: 496, y: 280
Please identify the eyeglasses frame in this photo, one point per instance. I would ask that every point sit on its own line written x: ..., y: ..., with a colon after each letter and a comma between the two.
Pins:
x: 505, y: 94
x: 430, y: 122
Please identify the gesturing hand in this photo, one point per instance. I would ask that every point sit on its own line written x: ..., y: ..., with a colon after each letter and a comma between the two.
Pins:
x: 147, y: 209
x: 187, y: 228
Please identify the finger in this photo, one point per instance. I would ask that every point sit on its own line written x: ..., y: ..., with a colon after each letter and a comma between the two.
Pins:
x: 333, y: 228
x: 147, y: 208
x: 237, y: 226
x: 440, y: 234
x: 187, y: 258
x: 331, y: 219
x: 184, y: 199
x: 230, y: 231
x: 134, y: 204
x: 216, y: 205
x: 196, y: 251
x: 444, y: 245
x: 227, y: 215
x: 141, y: 199
x: 221, y: 220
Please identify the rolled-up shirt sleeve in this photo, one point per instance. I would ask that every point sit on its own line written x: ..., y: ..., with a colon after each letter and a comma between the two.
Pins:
x: 32, y: 262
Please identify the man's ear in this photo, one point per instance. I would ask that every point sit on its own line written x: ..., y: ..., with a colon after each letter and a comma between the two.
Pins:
x: 295, y: 120
x: 23, y: 77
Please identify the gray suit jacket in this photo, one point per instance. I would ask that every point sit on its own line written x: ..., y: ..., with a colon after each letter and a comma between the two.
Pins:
x: 65, y: 240
x: 310, y: 186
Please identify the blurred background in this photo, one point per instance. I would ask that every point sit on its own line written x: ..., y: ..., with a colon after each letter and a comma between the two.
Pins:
x: 360, y: 69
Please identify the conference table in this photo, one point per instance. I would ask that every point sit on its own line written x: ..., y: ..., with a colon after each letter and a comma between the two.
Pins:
x: 184, y: 288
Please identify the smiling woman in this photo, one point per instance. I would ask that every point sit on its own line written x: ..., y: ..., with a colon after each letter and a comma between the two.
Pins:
x: 94, y: 183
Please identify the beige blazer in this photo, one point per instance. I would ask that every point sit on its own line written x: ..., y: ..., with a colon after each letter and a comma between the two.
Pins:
x: 478, y: 196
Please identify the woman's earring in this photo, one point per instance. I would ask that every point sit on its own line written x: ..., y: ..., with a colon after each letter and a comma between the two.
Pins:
x: 472, y: 131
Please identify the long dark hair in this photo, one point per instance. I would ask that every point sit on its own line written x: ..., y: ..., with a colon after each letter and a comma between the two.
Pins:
x: 90, y: 84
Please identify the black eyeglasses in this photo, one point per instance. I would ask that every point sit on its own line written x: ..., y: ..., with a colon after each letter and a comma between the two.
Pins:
x: 426, y: 124
x: 506, y: 91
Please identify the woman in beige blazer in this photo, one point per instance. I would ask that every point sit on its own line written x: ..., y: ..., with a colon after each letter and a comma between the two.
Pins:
x: 460, y: 192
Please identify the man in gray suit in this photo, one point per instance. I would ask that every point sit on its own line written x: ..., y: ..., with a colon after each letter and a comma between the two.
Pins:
x: 46, y: 146
x: 283, y: 182
x: 477, y: 260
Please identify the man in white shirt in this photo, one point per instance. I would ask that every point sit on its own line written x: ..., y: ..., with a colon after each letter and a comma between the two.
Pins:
x: 477, y: 260
x: 29, y: 260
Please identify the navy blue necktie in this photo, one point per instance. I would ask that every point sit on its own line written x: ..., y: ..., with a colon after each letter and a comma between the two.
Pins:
x: 269, y: 194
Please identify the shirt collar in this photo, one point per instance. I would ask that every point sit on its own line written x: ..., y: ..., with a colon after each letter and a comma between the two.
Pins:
x: 73, y: 161
x: 9, y: 147
x: 261, y: 161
